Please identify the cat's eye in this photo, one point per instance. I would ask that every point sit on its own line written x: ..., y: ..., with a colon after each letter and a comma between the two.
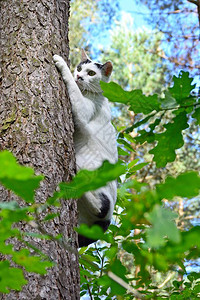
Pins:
x: 79, y: 68
x: 91, y: 73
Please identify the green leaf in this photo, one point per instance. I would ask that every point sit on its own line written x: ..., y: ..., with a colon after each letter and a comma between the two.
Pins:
x: 141, y: 122
x: 182, y: 87
x: 140, y: 103
x: 21, y: 180
x: 122, y: 152
x: 137, y: 101
x: 86, y: 180
x: 16, y: 215
x: 145, y: 136
x: 10, y: 278
x: 113, y: 92
x: 126, y: 144
x: 185, y: 185
x: 117, y: 269
x: 163, y: 225
x: 50, y: 216
x: 12, y: 205
x: 148, y: 136
x: 94, y: 232
x: 190, y: 239
x: 169, y: 141
x: 169, y: 101
x: 138, y: 167
x: 31, y: 263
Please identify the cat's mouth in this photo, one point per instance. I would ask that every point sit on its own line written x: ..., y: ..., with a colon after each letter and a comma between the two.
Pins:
x: 78, y: 82
x: 80, y: 85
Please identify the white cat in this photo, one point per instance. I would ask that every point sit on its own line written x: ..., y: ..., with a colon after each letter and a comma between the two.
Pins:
x: 94, y: 137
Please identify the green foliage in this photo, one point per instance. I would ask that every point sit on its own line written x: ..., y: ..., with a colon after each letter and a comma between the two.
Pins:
x: 169, y: 140
x: 144, y: 239
x: 136, y: 56
x: 196, y: 115
x: 159, y: 245
x: 137, y: 102
x: 177, y: 99
x: 185, y: 185
x: 86, y: 180
x: 22, y: 181
x: 161, y: 229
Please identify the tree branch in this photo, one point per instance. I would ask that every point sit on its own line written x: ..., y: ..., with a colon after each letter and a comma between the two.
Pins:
x: 169, y: 277
x: 194, y: 2
x: 121, y: 282
x: 197, y: 3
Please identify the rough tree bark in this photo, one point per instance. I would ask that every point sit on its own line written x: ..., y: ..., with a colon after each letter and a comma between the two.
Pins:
x: 36, y: 125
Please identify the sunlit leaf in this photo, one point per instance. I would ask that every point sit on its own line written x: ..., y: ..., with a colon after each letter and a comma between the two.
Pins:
x: 138, y: 102
x: 94, y: 232
x: 31, y: 263
x: 91, y: 180
x: 10, y: 278
x: 21, y: 180
x: 184, y: 185
x: 168, y: 101
x: 126, y: 144
x: 163, y: 225
x: 169, y: 140
x: 182, y: 87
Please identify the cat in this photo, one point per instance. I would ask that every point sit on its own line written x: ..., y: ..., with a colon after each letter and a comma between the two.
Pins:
x: 94, y: 136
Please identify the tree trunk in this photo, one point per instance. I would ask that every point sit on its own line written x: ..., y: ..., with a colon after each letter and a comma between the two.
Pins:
x: 36, y: 125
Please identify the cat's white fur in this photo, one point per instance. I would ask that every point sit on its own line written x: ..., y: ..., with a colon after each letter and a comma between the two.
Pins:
x: 94, y: 137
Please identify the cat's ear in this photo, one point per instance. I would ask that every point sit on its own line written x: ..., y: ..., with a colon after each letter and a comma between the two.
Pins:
x: 107, y: 68
x: 84, y: 55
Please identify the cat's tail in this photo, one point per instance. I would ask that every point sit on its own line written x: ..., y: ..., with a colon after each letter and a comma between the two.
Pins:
x: 96, y: 208
x: 84, y: 241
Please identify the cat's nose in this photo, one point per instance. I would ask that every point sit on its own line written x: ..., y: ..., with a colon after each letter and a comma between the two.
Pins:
x: 79, y: 77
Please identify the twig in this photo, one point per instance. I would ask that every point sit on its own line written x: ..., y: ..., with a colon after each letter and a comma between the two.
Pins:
x: 63, y: 243
x: 169, y: 277
x: 113, y: 276
x: 125, y: 285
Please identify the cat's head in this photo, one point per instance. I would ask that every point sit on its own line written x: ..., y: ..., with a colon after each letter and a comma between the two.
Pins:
x: 88, y: 74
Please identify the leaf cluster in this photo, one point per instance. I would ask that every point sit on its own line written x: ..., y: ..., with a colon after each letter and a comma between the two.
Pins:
x: 177, y: 99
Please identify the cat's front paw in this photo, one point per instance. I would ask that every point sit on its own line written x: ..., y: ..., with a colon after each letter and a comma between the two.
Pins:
x: 59, y: 62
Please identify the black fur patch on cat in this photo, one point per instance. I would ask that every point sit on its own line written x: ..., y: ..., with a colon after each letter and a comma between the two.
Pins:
x: 99, y: 65
x: 87, y: 61
x: 105, y: 205
x: 84, y: 241
x: 104, y: 224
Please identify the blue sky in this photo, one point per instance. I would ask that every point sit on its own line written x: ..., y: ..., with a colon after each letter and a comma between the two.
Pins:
x: 126, y: 6
x: 137, y: 11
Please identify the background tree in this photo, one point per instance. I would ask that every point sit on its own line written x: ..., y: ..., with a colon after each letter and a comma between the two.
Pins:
x: 36, y: 125
x: 136, y: 66
x: 89, y: 19
x: 179, y: 21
